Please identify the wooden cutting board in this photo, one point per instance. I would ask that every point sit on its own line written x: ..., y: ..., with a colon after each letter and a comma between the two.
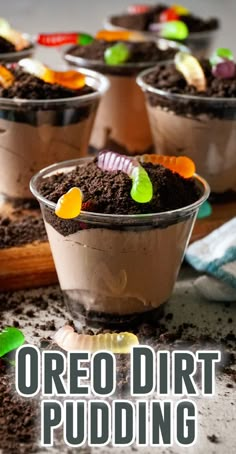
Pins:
x: 25, y: 266
x: 32, y: 265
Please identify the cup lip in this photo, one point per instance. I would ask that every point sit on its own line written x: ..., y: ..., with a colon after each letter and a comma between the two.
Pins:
x: 19, y: 54
x: 103, y: 85
x: 117, y: 218
x: 73, y: 59
x: 203, y: 34
x: 176, y: 96
x: 109, y: 26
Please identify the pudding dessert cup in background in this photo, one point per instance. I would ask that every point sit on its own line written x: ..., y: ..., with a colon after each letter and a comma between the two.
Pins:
x: 116, y: 268
x: 198, y: 126
x: 201, y: 44
x: 202, y: 32
x: 122, y: 123
x: 15, y: 56
x: 37, y: 133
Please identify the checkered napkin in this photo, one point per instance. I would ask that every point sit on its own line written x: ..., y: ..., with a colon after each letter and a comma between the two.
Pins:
x: 215, y: 255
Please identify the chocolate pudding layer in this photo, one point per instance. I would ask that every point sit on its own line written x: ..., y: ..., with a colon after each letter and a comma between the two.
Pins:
x: 122, y: 122
x: 200, y: 125
x: 119, y: 258
x: 42, y: 123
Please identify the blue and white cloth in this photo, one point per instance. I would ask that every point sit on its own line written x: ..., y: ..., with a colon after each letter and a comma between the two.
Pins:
x: 215, y: 255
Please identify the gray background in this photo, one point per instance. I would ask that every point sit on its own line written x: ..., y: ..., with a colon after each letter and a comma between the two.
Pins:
x: 87, y: 15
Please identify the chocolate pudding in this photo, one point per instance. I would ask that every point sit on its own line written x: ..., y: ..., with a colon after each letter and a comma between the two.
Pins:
x: 119, y: 258
x: 122, y: 122
x: 202, y: 31
x: 200, y: 125
x: 42, y: 123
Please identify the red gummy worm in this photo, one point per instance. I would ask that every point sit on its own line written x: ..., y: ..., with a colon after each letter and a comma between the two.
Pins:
x: 169, y: 15
x: 57, y: 39
x: 87, y: 205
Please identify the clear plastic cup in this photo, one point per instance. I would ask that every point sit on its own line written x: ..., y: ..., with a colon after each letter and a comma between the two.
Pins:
x: 201, y: 44
x: 37, y: 133
x: 116, y: 268
x: 122, y: 122
x: 200, y: 127
x: 14, y: 57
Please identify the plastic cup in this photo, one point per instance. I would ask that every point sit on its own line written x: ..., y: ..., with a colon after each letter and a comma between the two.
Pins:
x: 196, y: 126
x: 122, y: 122
x: 37, y: 133
x: 201, y: 44
x: 116, y: 268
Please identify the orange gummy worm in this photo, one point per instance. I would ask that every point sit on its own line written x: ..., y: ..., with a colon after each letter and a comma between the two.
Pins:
x: 182, y: 165
x: 119, y: 35
x: 6, y: 77
x: 70, y: 79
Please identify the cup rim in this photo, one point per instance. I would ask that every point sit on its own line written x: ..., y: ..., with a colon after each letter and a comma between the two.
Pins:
x: 103, y: 85
x: 176, y: 96
x: 19, y: 54
x: 204, y: 34
x: 75, y: 60
x: 117, y: 218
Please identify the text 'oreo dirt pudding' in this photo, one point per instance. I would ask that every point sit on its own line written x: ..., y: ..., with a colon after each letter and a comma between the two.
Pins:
x: 171, y: 22
x: 122, y: 122
x: 191, y: 106
x: 118, y: 228
x: 46, y: 116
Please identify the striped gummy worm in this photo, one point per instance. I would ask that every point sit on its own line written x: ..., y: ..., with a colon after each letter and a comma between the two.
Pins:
x: 142, y: 190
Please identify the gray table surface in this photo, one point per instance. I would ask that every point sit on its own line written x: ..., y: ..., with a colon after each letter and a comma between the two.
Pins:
x: 218, y: 414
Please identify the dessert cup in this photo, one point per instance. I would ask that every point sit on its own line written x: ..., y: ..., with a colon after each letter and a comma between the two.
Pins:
x: 201, y: 44
x: 37, y: 133
x: 122, y: 122
x: 116, y: 268
x: 200, y: 127
x: 14, y: 57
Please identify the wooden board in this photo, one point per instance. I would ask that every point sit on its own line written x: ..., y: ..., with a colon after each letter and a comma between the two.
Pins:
x: 32, y: 265
x: 25, y: 266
